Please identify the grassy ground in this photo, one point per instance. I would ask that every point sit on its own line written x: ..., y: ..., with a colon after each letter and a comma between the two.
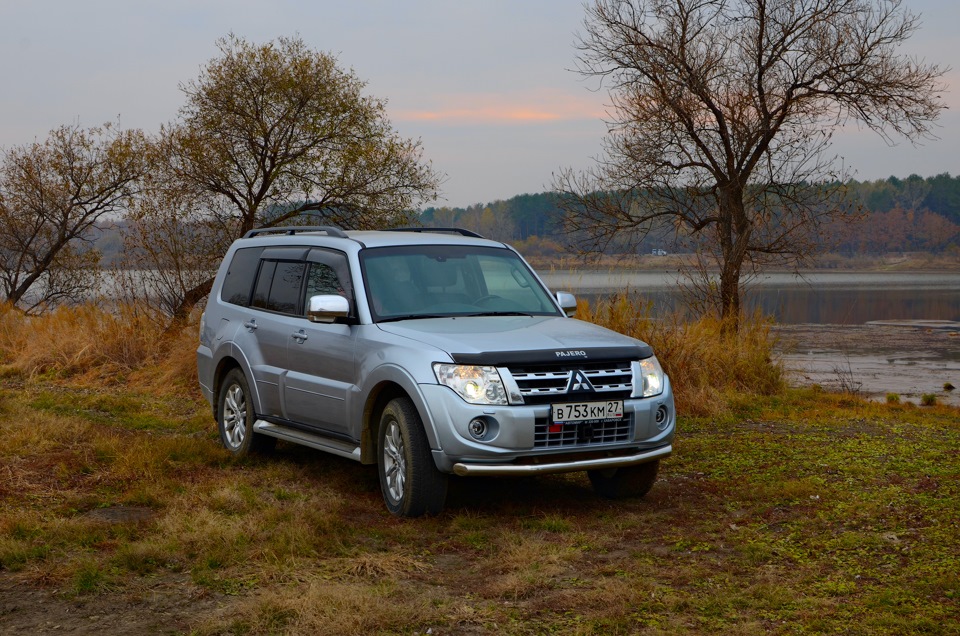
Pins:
x: 799, y: 513
x: 781, y: 511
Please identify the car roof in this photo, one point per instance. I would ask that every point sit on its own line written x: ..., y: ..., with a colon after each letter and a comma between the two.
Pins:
x: 328, y: 236
x: 383, y: 238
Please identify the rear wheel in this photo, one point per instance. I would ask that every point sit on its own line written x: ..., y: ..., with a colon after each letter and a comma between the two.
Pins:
x: 411, y: 484
x: 235, y: 417
x: 630, y: 481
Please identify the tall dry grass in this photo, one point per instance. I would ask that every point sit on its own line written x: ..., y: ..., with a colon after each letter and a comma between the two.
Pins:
x: 707, y: 364
x: 91, y: 345
x: 88, y: 344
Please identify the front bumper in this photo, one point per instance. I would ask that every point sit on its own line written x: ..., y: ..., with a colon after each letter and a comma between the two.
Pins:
x: 643, y: 457
x: 510, y: 448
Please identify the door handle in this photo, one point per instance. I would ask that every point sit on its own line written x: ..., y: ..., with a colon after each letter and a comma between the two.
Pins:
x: 250, y: 324
x: 299, y: 336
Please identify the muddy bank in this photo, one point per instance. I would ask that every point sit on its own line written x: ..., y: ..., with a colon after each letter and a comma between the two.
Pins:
x: 908, y: 358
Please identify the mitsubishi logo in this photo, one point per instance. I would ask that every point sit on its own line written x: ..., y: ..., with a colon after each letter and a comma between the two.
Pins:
x: 579, y: 383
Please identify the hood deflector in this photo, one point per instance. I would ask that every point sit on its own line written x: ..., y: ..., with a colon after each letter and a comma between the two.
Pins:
x: 561, y: 355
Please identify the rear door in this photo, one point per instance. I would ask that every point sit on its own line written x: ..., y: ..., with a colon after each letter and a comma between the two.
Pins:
x: 274, y: 316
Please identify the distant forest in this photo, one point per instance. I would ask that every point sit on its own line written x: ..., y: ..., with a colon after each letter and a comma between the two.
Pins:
x: 899, y: 215
x: 914, y: 214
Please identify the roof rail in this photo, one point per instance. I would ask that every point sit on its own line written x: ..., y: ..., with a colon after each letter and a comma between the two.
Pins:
x: 297, y: 229
x: 443, y: 230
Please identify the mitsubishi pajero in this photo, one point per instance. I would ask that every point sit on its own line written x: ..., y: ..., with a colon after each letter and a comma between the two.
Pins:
x: 428, y: 353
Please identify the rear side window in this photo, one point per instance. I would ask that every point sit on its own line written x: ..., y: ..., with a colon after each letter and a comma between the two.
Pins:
x: 240, y: 276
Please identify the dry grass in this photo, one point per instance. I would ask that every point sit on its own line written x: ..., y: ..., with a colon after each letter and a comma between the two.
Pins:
x: 89, y: 346
x: 92, y: 346
x: 706, y: 363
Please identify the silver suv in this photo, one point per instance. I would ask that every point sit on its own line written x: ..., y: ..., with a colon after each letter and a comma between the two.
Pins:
x: 425, y: 352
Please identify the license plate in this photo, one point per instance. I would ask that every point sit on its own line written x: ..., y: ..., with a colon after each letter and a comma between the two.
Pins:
x: 587, y: 411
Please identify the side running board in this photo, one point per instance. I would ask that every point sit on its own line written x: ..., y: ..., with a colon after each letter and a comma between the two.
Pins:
x: 319, y: 442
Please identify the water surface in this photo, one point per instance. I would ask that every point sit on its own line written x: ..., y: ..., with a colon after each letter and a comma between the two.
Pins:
x: 850, y: 298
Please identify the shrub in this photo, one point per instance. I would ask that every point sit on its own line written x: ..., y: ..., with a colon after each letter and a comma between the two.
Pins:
x: 893, y: 398
x: 928, y: 399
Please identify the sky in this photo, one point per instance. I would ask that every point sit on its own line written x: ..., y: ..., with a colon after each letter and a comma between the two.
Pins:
x: 486, y: 86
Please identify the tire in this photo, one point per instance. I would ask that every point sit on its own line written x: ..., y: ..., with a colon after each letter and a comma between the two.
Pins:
x: 235, y: 417
x: 411, y: 484
x: 631, y: 481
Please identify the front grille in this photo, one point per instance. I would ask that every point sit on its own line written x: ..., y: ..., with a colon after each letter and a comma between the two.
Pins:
x: 543, y: 384
x: 583, y: 434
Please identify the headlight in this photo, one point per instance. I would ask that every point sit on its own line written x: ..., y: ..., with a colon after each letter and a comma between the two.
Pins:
x: 476, y: 385
x: 652, y: 376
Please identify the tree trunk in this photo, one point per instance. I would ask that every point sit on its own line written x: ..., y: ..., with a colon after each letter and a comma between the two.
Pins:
x: 730, y: 296
x: 735, y: 230
x: 182, y: 313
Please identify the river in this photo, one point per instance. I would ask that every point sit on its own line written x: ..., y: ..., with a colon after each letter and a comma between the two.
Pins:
x: 821, y: 297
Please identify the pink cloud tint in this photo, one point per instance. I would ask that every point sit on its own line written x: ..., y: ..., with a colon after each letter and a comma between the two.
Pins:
x: 493, y: 108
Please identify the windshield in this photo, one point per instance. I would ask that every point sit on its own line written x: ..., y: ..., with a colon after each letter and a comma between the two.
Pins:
x: 423, y: 281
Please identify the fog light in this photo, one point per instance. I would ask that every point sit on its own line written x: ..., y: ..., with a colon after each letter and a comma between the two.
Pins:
x: 661, y: 417
x: 477, y: 428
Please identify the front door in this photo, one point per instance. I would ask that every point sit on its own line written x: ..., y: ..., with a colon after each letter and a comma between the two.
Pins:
x: 321, y: 365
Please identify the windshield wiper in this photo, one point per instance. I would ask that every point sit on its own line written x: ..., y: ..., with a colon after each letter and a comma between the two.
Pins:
x: 499, y: 313
x: 412, y: 317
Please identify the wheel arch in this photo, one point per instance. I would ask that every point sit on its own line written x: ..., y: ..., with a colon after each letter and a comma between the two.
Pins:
x: 234, y: 359
x: 223, y: 367
x: 378, y: 397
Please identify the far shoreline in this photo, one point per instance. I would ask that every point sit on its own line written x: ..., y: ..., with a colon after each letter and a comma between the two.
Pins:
x: 596, y: 280
x: 917, y: 262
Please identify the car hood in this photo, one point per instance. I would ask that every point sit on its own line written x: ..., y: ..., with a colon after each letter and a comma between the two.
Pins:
x: 498, y: 340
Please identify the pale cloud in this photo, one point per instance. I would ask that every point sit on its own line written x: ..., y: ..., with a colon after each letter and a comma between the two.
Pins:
x: 530, y: 107
x: 485, y: 86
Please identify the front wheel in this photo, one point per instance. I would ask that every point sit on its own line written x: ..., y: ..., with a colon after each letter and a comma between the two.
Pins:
x: 630, y: 481
x: 235, y: 417
x: 411, y: 484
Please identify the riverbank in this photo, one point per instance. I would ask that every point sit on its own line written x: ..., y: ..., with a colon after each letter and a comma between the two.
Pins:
x: 909, y: 359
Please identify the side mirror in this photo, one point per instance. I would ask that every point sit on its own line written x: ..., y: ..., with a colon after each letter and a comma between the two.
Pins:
x: 567, y: 302
x: 327, y: 309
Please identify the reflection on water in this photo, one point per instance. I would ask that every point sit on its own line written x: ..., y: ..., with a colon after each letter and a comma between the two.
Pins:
x: 820, y: 298
x: 857, y: 306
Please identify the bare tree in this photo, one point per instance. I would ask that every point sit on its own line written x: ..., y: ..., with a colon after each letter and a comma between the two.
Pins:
x: 722, y: 115
x: 51, y: 195
x: 270, y: 132
x: 172, y: 245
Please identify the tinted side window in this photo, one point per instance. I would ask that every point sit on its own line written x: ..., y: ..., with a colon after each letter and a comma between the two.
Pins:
x: 240, y: 276
x: 261, y: 293
x: 328, y: 273
x: 323, y: 280
x: 278, y: 286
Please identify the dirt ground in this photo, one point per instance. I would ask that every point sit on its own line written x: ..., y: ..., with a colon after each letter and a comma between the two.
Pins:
x: 910, y: 358
x: 168, y: 604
